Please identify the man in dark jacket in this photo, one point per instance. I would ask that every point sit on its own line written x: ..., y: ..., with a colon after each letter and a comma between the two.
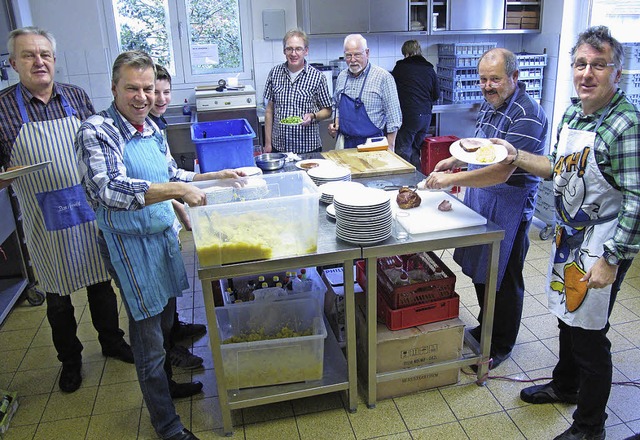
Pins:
x: 417, y: 90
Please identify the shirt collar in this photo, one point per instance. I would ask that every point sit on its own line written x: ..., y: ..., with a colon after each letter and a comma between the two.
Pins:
x: 148, y: 130
x: 614, y: 100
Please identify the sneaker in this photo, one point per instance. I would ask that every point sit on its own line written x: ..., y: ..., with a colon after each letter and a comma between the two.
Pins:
x: 121, y: 351
x: 182, y: 330
x: 547, y: 393
x: 185, y: 434
x: 70, y: 377
x: 181, y: 357
x: 187, y: 389
x: 575, y: 434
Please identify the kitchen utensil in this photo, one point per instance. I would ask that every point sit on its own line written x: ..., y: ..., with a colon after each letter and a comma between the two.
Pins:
x: 271, y: 161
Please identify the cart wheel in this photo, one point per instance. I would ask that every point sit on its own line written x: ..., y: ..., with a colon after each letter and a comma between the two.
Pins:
x: 35, y: 297
x: 546, y: 233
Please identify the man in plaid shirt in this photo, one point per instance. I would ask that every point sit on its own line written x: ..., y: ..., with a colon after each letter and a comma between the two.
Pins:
x: 295, y: 88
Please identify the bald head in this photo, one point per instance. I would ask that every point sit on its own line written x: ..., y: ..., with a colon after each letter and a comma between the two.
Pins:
x: 498, y: 71
x: 501, y: 55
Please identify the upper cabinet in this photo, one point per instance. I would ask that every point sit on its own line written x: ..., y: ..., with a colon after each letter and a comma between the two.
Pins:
x: 319, y: 17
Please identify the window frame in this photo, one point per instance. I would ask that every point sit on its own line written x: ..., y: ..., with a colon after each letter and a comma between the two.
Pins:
x: 180, y: 43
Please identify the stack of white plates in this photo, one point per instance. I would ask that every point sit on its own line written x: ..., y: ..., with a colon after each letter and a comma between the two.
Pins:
x: 327, y: 173
x: 330, y: 189
x: 331, y: 211
x: 363, y: 216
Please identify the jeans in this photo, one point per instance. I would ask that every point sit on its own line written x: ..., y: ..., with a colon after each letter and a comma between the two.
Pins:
x: 510, y: 297
x: 584, y: 366
x: 103, y: 307
x: 149, y: 338
x: 411, y: 136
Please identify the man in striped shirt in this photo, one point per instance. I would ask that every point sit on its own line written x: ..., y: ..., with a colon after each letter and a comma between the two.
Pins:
x: 500, y: 194
x: 64, y: 252
x: 297, y: 89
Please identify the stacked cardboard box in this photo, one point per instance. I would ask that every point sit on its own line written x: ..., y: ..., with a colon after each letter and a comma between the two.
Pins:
x: 522, y: 19
x: 410, y: 348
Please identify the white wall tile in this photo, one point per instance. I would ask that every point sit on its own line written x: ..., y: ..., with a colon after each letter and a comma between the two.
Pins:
x: 76, y: 62
x: 101, y: 103
x: 100, y: 85
x: 81, y: 81
x: 97, y: 61
x: 262, y: 51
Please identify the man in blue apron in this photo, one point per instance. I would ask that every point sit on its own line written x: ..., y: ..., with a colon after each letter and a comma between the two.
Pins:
x: 502, y: 196
x: 597, y: 193
x: 366, y: 99
x: 38, y: 121
x: 130, y: 179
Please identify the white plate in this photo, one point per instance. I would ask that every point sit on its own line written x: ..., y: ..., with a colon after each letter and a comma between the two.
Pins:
x: 331, y: 211
x: 470, y: 157
x: 250, y: 171
x: 307, y: 164
x: 329, y: 173
x: 362, y: 197
x: 7, y: 175
x: 288, y: 123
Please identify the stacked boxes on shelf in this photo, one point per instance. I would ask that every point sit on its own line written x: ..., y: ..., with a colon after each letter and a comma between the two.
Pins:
x: 630, y: 81
x: 413, y: 290
x: 521, y: 18
x: 458, y: 71
x: 531, y: 68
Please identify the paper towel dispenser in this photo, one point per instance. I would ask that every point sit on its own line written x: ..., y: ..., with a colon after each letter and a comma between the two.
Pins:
x: 273, y: 25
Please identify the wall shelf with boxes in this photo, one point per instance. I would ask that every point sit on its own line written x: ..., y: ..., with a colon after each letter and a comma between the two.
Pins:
x: 523, y: 15
x: 531, y: 68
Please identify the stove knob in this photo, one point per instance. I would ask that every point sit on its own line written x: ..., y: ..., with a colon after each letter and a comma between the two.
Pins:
x: 249, y: 100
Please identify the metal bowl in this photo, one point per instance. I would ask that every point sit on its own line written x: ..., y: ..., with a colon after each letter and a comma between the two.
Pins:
x: 270, y: 161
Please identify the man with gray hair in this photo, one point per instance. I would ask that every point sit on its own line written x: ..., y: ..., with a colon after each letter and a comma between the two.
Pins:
x: 130, y: 179
x: 500, y: 193
x: 295, y: 88
x: 38, y: 121
x: 366, y: 99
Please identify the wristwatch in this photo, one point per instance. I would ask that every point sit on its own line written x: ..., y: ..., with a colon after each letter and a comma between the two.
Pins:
x: 610, y: 258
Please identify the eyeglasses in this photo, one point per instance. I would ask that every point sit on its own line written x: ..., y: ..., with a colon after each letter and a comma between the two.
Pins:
x: 493, y: 84
x: 357, y: 55
x: 596, y: 65
x: 291, y: 50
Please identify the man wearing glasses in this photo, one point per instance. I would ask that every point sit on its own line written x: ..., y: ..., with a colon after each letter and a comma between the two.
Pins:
x: 366, y: 99
x: 594, y: 167
x: 295, y: 89
x: 504, y: 197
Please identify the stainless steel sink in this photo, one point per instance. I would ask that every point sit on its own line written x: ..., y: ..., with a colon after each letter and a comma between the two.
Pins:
x: 177, y: 119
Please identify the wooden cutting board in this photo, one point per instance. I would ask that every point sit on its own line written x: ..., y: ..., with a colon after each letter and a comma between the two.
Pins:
x: 370, y: 163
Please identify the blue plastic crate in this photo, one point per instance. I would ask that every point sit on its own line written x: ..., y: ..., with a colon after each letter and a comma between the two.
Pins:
x: 223, y: 144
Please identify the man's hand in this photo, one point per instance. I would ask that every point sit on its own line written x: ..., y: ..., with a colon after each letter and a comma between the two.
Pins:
x: 601, y: 274
x: 448, y: 164
x: 511, y: 150
x: 438, y: 180
x: 333, y: 129
x: 194, y: 196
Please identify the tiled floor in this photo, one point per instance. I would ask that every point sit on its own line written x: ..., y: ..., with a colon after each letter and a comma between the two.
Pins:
x: 109, y: 403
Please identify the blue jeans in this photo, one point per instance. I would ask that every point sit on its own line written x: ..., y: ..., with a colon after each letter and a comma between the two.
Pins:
x: 411, y: 136
x: 147, y: 338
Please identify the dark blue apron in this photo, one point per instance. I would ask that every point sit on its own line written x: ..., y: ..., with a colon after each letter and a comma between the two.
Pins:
x: 355, y: 125
x: 503, y: 204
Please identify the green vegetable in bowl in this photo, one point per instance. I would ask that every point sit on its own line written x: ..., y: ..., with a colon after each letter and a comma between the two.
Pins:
x: 291, y: 120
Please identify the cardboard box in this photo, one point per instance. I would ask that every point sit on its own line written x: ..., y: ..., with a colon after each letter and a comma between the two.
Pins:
x: 409, y: 348
x: 514, y: 21
x: 529, y: 25
x: 530, y: 20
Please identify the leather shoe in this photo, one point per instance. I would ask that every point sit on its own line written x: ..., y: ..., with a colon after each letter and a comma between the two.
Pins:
x: 546, y: 394
x: 496, y: 360
x: 121, y: 351
x: 70, y: 377
x: 575, y: 434
x: 187, y: 389
x: 185, y: 434
x: 182, y: 330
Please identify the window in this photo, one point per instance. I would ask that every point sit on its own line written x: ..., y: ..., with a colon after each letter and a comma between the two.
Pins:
x: 197, y: 40
x: 621, y: 16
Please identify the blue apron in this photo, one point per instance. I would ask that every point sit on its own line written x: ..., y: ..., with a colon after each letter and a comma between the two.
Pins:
x: 355, y: 125
x: 59, y: 225
x: 503, y: 204
x: 143, y: 246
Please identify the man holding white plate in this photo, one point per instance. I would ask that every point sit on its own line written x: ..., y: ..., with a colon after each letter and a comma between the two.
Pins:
x: 496, y: 192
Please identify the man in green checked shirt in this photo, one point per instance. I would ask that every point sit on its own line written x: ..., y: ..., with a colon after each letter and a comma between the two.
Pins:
x: 596, y: 175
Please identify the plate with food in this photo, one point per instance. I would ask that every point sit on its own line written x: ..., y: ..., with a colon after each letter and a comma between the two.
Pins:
x: 291, y: 120
x: 307, y: 164
x: 477, y: 151
x: 20, y: 170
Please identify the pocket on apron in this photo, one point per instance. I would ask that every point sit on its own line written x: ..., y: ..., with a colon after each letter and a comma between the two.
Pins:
x: 65, y: 208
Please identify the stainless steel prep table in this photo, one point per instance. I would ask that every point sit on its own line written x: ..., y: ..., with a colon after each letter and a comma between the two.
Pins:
x: 338, y: 375
x: 489, y: 234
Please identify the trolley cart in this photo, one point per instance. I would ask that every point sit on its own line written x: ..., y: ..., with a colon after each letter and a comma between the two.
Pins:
x: 545, y: 210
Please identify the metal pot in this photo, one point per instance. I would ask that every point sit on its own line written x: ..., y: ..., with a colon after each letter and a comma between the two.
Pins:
x: 270, y: 161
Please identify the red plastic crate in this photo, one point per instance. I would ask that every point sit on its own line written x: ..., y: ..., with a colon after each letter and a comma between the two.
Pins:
x: 434, y: 149
x: 413, y: 294
x: 419, y: 314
